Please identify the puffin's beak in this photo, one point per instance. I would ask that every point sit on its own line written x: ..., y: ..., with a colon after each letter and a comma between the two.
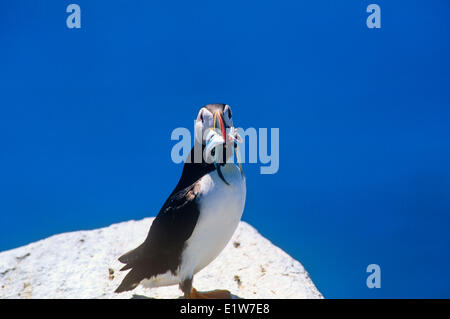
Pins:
x: 222, y: 126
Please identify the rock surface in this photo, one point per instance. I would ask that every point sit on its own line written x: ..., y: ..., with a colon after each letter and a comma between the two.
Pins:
x: 84, y: 264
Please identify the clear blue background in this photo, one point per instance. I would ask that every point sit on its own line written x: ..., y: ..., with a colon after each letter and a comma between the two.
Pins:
x: 364, y: 117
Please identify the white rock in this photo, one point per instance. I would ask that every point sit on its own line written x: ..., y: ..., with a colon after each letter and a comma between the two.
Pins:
x: 84, y: 264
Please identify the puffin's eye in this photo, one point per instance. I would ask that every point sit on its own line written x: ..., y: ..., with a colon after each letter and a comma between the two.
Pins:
x: 229, y: 113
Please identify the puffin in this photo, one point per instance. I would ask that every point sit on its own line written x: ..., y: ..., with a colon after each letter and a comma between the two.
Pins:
x: 200, y: 215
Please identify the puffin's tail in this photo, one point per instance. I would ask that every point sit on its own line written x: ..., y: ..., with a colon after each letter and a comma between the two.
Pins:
x: 134, y: 277
x: 131, y: 257
x: 131, y: 280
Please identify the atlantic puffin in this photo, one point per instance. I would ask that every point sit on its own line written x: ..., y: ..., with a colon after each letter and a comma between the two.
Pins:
x: 199, y: 217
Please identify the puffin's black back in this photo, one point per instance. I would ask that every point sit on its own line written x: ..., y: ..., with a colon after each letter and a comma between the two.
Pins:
x: 162, y: 249
x: 192, y: 171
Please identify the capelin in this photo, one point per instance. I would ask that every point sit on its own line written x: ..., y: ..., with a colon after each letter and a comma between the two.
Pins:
x: 219, y: 172
x: 213, y: 140
x: 238, y: 158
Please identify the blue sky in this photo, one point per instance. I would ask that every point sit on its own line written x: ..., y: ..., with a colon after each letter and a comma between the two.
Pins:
x: 86, y: 117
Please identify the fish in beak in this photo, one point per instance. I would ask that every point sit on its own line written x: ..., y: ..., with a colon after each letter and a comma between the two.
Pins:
x: 218, y: 139
x: 213, y: 152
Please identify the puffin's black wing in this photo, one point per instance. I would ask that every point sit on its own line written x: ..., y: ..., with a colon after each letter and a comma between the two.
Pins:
x: 161, y: 251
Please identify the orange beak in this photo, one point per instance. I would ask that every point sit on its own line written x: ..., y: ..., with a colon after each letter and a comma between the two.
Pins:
x: 222, y: 127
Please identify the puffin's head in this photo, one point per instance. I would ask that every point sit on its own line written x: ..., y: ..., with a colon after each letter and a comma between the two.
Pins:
x: 214, y: 128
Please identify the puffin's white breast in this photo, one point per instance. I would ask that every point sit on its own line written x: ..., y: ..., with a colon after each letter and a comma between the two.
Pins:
x: 221, y: 207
